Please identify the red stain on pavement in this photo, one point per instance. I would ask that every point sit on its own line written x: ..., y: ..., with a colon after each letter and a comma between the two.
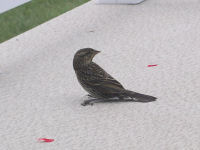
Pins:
x: 45, y: 140
x: 152, y: 65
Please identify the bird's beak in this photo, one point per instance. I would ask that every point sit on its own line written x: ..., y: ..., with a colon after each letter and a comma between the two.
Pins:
x: 96, y: 52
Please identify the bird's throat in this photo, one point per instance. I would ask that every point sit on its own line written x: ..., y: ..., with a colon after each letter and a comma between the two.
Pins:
x: 81, y: 62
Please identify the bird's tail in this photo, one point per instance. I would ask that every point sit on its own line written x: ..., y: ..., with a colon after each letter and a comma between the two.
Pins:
x: 140, y: 97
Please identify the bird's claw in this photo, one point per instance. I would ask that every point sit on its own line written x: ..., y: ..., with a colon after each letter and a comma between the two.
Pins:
x: 90, y: 96
x: 87, y: 102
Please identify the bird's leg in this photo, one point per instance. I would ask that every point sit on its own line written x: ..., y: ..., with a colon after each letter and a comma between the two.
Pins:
x: 92, y: 101
x: 98, y: 100
x: 88, y: 95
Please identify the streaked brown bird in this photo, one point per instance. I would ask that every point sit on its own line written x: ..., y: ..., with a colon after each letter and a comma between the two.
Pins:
x: 101, y: 86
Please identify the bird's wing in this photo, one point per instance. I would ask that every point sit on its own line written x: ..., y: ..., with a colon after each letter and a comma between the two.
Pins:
x: 99, y: 77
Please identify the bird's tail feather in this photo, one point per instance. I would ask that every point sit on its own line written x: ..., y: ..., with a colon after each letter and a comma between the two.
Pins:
x: 140, y: 97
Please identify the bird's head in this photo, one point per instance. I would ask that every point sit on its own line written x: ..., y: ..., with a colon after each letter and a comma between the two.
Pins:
x: 85, y: 55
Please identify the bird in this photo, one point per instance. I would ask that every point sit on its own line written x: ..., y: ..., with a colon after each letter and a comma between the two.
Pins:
x: 100, y: 85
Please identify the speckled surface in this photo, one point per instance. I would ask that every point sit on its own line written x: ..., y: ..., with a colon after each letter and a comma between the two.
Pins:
x: 40, y: 96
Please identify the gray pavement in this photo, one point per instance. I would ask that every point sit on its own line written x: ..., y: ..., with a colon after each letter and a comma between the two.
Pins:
x: 6, y: 5
x: 40, y: 96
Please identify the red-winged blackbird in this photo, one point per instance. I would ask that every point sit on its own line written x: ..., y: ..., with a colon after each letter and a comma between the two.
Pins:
x: 99, y: 84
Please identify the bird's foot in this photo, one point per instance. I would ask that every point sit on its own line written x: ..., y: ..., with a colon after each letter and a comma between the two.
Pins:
x: 88, y: 102
x: 89, y: 96
x: 94, y: 100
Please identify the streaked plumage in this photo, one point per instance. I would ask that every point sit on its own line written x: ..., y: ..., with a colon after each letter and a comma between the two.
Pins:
x: 98, y: 83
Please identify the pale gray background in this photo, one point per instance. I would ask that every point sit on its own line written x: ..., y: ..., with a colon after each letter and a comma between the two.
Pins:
x: 40, y: 95
x: 9, y: 4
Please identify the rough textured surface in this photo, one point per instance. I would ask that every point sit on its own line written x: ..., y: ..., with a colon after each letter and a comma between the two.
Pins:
x: 40, y: 95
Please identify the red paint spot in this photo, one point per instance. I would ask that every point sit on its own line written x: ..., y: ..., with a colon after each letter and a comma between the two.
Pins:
x: 152, y: 65
x: 45, y: 140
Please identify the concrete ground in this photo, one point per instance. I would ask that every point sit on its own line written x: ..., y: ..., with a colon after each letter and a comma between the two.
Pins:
x: 119, y: 1
x: 40, y: 96
x: 9, y: 4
